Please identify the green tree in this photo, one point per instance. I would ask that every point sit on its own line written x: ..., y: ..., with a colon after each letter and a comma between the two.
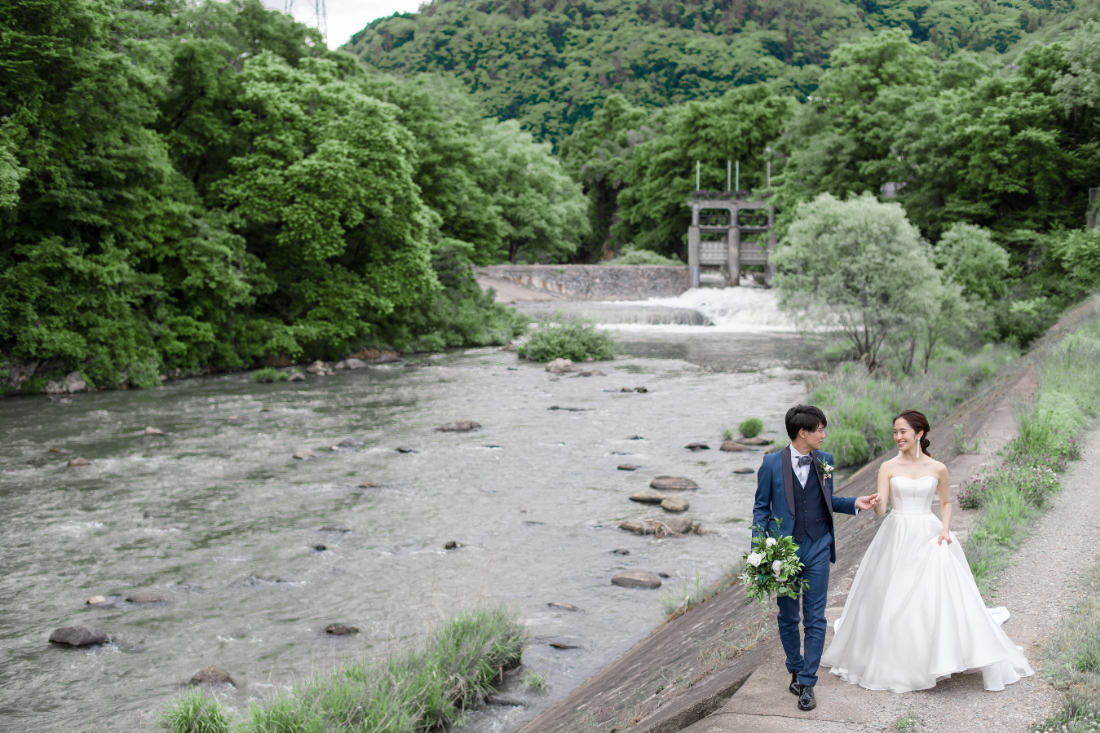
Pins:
x: 969, y: 257
x: 860, y: 266
x: 544, y: 210
x: 734, y: 127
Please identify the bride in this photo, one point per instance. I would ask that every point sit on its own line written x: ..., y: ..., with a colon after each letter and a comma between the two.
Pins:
x: 914, y: 614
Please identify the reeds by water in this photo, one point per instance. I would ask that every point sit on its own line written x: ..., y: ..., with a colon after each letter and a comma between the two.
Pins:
x: 417, y: 690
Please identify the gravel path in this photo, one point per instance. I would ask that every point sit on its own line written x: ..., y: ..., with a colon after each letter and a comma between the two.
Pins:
x: 1038, y: 589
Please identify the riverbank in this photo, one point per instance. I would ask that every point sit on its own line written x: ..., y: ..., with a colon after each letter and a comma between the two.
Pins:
x: 669, y: 681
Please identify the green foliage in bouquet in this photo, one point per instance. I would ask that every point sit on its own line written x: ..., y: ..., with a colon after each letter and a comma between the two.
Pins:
x: 772, y: 567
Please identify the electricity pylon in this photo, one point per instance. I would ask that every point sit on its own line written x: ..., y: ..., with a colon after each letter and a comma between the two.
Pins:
x: 319, y: 19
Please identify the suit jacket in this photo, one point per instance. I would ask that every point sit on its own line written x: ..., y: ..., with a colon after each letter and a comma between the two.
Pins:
x: 775, y: 485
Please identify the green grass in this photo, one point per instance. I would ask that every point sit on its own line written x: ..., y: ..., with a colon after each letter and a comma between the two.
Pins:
x: 907, y: 723
x: 861, y: 407
x: 631, y: 256
x: 1072, y: 661
x: 574, y: 339
x: 415, y: 691
x: 751, y: 427
x: 678, y: 601
x: 269, y: 374
x: 535, y: 681
x: 1012, y: 495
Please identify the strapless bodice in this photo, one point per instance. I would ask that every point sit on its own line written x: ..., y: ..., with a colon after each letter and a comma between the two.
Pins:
x: 912, y: 496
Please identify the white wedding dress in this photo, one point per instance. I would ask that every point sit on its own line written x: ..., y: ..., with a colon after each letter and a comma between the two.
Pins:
x: 914, y: 614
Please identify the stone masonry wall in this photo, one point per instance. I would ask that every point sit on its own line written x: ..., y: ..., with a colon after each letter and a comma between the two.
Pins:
x: 596, y: 282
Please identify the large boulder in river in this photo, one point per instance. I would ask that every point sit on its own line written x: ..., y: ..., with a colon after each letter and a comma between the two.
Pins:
x: 732, y: 446
x: 648, y: 496
x: 636, y: 579
x: 78, y: 636
x: 682, y: 526
x: 754, y: 441
x: 211, y: 675
x: 74, y: 383
x: 53, y: 387
x: 317, y: 367
x: 673, y: 483
x: 561, y: 366
x: 675, y: 504
x: 642, y: 526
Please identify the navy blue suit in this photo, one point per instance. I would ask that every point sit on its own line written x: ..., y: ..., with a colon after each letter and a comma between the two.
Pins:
x: 807, y: 514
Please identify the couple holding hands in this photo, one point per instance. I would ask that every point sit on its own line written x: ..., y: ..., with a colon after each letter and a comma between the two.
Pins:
x: 914, y: 614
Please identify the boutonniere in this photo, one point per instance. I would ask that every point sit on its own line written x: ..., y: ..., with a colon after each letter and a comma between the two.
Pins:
x: 827, y: 470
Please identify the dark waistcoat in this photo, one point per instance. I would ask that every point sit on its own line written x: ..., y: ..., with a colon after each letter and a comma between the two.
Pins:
x: 811, y: 515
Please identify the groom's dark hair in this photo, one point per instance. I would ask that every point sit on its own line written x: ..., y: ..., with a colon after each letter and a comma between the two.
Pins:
x: 804, y: 417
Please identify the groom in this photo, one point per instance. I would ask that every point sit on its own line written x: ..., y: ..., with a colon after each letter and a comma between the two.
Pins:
x: 792, y: 487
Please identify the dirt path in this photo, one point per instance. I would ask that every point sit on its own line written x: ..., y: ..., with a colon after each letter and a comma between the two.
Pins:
x: 1038, y: 589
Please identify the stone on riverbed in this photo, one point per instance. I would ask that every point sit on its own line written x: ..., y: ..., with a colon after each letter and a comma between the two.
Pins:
x: 745, y: 470
x: 304, y: 453
x: 143, y: 596
x: 74, y: 383
x: 351, y: 363
x: 341, y: 630
x: 732, y: 446
x: 403, y: 449
x: 78, y: 636
x: 317, y: 367
x: 675, y: 504
x: 754, y: 441
x: 673, y: 483
x: 97, y: 601
x: 211, y: 675
x: 452, y: 545
x: 636, y: 579
x: 682, y: 526
x: 562, y: 606
x: 696, y: 447
x: 369, y: 485
x: 149, y: 430
x: 560, y: 366
x: 334, y: 528
x: 78, y: 463
x: 648, y: 496
x: 676, y: 526
x: 296, y: 377
x: 627, y: 467
x: 459, y: 426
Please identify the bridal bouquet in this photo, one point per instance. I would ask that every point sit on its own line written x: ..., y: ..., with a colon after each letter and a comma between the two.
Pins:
x: 771, y: 567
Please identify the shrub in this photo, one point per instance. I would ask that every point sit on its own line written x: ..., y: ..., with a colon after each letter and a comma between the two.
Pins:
x: 848, y: 446
x: 268, y: 374
x: 535, y: 681
x: 751, y: 427
x: 196, y: 713
x: 574, y: 339
x: 632, y: 256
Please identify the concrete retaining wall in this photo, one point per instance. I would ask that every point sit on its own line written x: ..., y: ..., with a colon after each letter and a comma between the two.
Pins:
x: 595, y: 282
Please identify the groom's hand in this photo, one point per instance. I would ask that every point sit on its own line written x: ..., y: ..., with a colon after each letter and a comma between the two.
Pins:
x: 866, y: 503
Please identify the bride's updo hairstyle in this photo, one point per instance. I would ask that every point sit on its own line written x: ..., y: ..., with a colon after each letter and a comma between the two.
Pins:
x: 919, y: 423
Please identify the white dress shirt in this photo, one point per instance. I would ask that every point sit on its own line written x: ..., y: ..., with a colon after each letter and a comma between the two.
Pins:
x: 803, y: 472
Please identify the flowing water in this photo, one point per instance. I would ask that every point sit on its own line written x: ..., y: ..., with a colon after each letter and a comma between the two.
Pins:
x: 218, y: 516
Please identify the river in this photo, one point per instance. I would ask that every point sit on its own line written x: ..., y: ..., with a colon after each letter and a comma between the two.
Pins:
x: 218, y: 516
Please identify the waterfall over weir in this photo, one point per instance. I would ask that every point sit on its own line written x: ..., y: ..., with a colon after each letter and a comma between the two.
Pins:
x: 623, y: 313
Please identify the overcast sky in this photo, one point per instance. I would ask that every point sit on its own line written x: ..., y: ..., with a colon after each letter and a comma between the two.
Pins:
x: 346, y: 17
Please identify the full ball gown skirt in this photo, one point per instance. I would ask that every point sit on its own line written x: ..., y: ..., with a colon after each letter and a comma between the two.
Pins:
x: 914, y: 614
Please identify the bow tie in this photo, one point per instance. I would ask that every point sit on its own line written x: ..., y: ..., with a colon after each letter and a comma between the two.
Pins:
x: 804, y: 461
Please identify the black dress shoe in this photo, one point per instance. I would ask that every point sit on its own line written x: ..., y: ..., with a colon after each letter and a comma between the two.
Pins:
x: 796, y: 686
x: 806, y: 700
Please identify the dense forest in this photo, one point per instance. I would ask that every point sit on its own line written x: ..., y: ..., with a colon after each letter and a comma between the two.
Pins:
x: 201, y: 184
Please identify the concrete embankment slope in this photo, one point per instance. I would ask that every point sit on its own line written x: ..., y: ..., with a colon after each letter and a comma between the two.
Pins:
x: 692, y: 666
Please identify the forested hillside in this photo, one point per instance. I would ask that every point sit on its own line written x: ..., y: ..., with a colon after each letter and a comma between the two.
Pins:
x: 552, y: 64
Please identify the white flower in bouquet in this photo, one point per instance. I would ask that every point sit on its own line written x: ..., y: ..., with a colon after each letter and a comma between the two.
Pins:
x: 754, y: 559
x: 777, y: 565
x: 771, y: 542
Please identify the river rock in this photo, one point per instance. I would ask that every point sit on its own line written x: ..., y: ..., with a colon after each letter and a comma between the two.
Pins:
x: 620, y: 552
x: 55, y: 450
x: 402, y: 449
x: 304, y: 453
x: 673, y: 483
x: 143, y: 596
x: 682, y: 525
x: 675, y: 504
x: 451, y: 545
x: 78, y: 636
x: 334, y: 528
x: 635, y: 437
x: 211, y: 675
x: 53, y: 387
x: 593, y: 373
x: 636, y: 579
x: 352, y: 363
x: 78, y: 463
x: 627, y: 467
x: 341, y: 630
x: 642, y: 526
x: 641, y: 390
x: 369, y: 485
x: 732, y: 446
x: 648, y: 496
x: 319, y: 547
x: 74, y: 383
x: 317, y: 367
x: 97, y: 601
x: 459, y: 426
x: 509, y: 348
x: 754, y: 441
x: 350, y: 443
x: 744, y: 470
x: 565, y: 644
x: 561, y: 366
x: 296, y: 377
x: 153, y: 431
x: 562, y: 606
x: 696, y: 447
